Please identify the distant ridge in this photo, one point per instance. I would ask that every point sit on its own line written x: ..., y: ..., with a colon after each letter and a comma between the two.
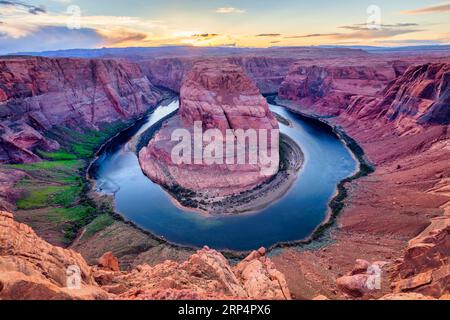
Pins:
x: 394, y: 49
x: 213, y: 51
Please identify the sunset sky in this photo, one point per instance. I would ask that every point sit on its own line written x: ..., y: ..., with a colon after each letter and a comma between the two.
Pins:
x: 54, y: 24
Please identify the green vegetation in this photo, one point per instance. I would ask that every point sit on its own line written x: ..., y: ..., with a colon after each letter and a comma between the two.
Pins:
x: 79, y: 145
x: 55, y: 190
x: 100, y: 223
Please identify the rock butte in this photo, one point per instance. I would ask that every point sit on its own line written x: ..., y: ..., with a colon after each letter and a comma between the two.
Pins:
x: 398, y: 113
x: 221, y: 96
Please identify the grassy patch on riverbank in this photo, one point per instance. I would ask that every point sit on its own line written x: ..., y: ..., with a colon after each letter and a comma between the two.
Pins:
x: 54, y: 191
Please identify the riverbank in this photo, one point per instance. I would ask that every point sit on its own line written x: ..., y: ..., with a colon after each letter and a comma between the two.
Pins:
x: 380, y: 213
x: 248, y: 202
x: 338, y: 202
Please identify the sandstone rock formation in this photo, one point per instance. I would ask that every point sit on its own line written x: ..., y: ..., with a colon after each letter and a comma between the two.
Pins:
x: 39, y: 93
x: 364, y: 280
x: 205, y: 275
x: 403, y: 129
x: 222, y: 97
x: 8, y: 194
x: 30, y: 268
x: 267, y: 68
x: 425, y: 267
x: 406, y: 297
x: 109, y: 262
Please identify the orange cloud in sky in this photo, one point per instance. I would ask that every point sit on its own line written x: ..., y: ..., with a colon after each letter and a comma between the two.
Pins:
x: 445, y: 7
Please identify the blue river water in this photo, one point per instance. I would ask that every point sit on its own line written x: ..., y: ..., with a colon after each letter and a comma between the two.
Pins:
x: 293, y: 217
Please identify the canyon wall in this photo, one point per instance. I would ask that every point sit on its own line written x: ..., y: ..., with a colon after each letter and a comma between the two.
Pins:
x: 326, y: 87
x: 39, y: 93
x: 267, y: 72
x: 221, y: 96
x: 421, y: 96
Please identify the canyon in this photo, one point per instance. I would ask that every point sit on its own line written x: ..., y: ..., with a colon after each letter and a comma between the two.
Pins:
x: 395, y: 107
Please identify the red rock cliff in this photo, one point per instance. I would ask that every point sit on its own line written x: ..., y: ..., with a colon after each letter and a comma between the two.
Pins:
x: 420, y: 97
x: 38, y: 93
x: 328, y: 88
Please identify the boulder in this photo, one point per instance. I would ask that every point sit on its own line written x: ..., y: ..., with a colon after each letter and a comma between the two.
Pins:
x: 109, y: 261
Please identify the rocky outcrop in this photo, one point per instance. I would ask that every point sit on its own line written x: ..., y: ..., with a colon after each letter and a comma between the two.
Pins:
x: 422, y: 93
x: 222, y: 97
x: 364, y: 280
x: 425, y: 267
x: 30, y: 268
x: 205, y: 275
x: 260, y: 278
x: 18, y: 140
x: 109, y: 262
x: 8, y: 194
x: 39, y: 93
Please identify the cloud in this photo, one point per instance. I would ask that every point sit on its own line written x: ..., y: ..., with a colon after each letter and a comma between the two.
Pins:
x: 268, y: 35
x: 363, y: 26
x: 361, y: 31
x: 313, y: 35
x: 367, y: 34
x: 226, y: 10
x: 121, y: 36
x: 52, y: 38
x: 206, y: 35
x: 444, y: 7
x: 31, y: 8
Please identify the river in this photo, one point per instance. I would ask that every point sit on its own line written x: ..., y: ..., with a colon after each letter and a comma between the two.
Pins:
x: 293, y: 217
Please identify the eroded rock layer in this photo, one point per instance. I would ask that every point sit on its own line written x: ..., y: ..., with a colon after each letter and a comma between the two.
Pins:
x: 327, y: 88
x: 39, y: 93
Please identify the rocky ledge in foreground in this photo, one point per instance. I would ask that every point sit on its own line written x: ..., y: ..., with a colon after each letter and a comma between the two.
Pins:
x: 32, y: 269
x: 223, y: 98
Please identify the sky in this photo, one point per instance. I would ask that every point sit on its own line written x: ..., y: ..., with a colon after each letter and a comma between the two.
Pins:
x: 40, y: 25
